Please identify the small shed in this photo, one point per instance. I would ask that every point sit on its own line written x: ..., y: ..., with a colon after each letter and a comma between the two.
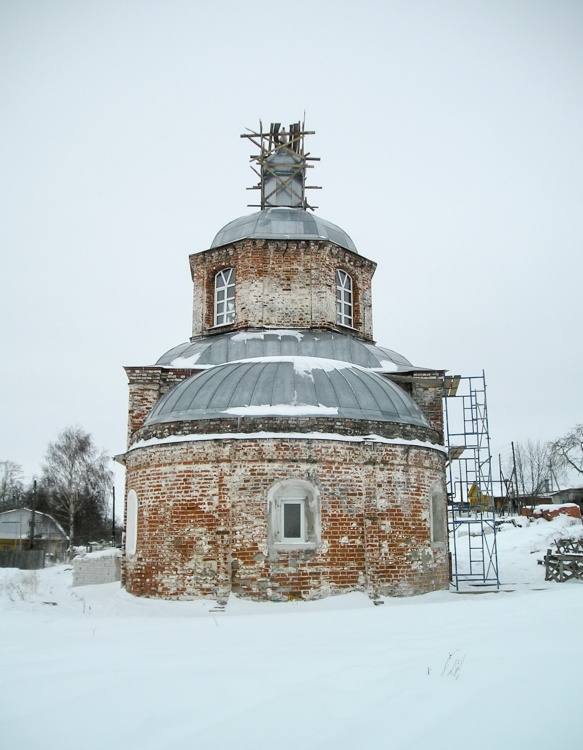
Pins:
x: 568, y: 495
x: 15, y: 532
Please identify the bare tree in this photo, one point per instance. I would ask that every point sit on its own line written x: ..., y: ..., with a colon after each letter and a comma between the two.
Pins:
x: 11, y: 487
x: 75, y: 476
x: 532, y: 471
x: 568, y: 450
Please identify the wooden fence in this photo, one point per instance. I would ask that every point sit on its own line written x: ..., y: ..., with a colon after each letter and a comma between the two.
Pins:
x: 25, y: 559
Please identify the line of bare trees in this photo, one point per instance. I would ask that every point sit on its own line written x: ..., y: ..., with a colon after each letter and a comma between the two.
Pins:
x: 534, y: 467
x: 75, y: 486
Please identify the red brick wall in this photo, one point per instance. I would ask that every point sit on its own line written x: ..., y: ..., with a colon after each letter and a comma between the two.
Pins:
x: 282, y: 284
x: 202, y: 519
x: 146, y: 386
x: 426, y: 389
x: 566, y: 509
x: 427, y: 392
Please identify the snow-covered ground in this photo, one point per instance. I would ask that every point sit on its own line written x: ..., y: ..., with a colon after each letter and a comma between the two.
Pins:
x: 94, y: 667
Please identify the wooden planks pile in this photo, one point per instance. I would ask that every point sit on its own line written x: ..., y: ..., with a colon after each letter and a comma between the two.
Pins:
x: 566, y: 562
x: 566, y: 546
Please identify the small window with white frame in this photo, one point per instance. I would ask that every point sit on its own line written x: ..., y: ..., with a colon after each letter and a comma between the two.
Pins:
x: 344, y: 304
x: 225, y: 297
x: 293, y: 515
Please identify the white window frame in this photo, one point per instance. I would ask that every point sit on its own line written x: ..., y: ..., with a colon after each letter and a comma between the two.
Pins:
x: 224, y: 296
x: 293, y: 491
x: 344, y: 299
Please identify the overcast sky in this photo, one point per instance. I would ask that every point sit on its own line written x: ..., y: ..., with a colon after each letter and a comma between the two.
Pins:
x: 450, y: 138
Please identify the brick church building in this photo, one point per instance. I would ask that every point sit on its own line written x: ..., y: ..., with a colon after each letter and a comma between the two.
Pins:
x: 280, y: 453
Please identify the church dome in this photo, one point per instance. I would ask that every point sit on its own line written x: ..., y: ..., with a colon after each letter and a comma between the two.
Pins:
x: 229, y: 347
x: 283, y: 224
x: 287, y: 387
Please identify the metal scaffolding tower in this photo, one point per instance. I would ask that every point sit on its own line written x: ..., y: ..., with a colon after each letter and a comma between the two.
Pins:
x: 471, y: 510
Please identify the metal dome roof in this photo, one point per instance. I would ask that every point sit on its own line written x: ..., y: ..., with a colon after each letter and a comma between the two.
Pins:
x: 287, y: 386
x: 283, y: 224
x: 229, y: 347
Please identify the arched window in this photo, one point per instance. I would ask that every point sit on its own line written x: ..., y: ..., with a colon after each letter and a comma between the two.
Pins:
x: 293, y: 514
x: 343, y: 298
x: 438, y: 511
x: 131, y: 523
x: 225, y: 297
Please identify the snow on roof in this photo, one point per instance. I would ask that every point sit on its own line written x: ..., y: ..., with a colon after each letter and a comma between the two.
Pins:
x: 279, y: 332
x: 283, y: 410
x: 287, y: 436
x: 187, y: 362
x: 305, y: 365
x: 387, y: 366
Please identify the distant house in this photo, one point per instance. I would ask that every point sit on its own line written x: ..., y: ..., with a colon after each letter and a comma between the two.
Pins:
x: 514, y: 503
x: 15, y: 528
x: 570, y: 495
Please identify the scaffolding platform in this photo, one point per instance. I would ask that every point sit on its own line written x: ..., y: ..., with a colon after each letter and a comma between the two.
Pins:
x: 471, y: 510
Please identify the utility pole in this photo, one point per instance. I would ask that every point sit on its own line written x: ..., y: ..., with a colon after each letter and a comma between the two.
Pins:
x: 515, y: 474
x: 32, y: 519
x: 502, y: 498
x: 113, y: 517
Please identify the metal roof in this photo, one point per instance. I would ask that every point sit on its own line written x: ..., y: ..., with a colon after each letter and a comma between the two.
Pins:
x: 287, y: 386
x: 228, y: 347
x: 283, y: 224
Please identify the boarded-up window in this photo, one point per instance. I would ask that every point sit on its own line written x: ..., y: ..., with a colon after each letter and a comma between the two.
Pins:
x: 438, y: 515
x: 131, y: 523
